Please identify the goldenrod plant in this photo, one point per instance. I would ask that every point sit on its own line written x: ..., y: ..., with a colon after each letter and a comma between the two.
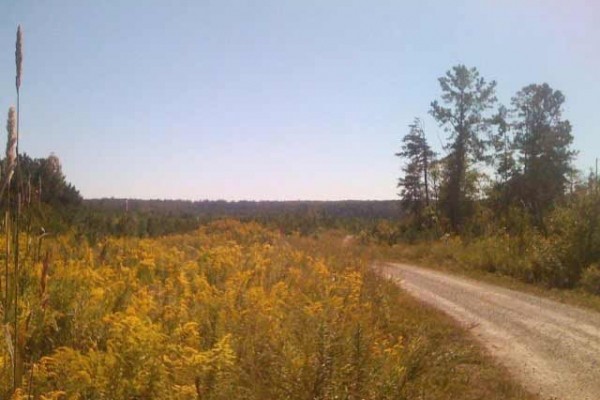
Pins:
x: 232, y: 311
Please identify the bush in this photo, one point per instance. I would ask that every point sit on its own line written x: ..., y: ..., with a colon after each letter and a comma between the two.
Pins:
x: 548, y: 266
x: 489, y: 254
x: 573, y: 233
x: 590, y: 280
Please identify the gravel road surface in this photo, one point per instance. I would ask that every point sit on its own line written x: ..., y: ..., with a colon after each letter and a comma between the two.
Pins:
x: 552, y: 348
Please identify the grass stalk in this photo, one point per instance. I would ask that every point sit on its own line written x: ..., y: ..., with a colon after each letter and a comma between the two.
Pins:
x: 19, y: 68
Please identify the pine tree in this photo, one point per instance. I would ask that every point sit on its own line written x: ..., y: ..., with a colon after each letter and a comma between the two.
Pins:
x: 502, y: 159
x: 414, y: 184
x: 543, y: 142
x: 467, y: 97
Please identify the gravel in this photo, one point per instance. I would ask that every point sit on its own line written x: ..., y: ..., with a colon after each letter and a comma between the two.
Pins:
x: 553, y: 349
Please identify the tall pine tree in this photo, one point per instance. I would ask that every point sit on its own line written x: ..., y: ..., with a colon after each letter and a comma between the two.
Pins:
x: 466, y: 97
x: 543, y: 142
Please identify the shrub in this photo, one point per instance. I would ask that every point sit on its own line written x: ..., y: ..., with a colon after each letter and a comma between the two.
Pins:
x: 489, y: 254
x: 548, y: 266
x: 590, y: 280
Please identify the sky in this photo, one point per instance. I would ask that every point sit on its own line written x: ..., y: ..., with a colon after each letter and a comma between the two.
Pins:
x: 279, y: 100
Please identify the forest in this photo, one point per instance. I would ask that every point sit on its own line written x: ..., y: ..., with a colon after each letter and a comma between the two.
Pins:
x: 158, y: 217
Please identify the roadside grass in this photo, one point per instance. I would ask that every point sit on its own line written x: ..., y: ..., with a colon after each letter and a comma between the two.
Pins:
x: 449, y: 257
x: 450, y: 363
x: 443, y: 360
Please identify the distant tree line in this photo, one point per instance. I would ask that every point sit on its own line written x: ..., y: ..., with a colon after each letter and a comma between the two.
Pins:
x: 160, y: 217
x: 56, y: 205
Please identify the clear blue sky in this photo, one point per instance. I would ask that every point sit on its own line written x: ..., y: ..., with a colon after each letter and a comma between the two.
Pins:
x: 294, y: 99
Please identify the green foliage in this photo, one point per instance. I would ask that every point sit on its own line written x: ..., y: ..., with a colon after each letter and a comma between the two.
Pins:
x: 590, y: 279
x: 548, y: 265
x: 521, y: 222
x: 571, y: 241
x: 42, y: 181
x: 543, y: 142
x: 556, y: 258
x: 416, y: 187
x: 153, y: 218
x: 467, y: 97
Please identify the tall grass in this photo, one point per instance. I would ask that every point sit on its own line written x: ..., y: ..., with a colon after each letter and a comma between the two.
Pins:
x: 10, y: 162
x: 18, y: 351
x: 9, y: 167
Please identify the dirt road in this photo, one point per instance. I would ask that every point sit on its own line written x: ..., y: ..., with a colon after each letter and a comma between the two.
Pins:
x: 552, y: 348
